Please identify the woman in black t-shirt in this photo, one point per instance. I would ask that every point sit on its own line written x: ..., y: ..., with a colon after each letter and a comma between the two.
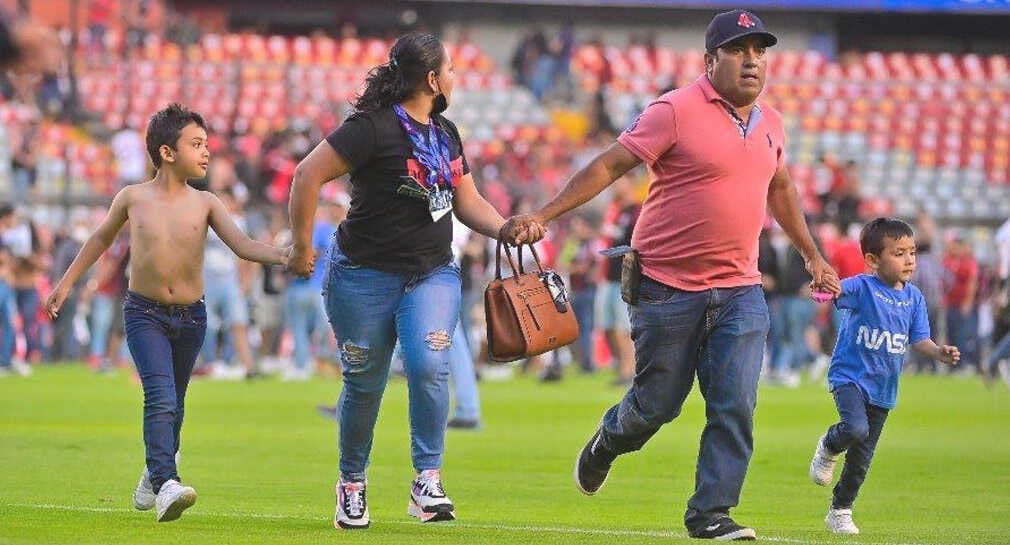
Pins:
x: 391, y: 274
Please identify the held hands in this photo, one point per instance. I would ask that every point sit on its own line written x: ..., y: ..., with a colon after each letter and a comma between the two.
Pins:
x: 523, y: 229
x: 55, y: 301
x: 299, y: 261
x: 825, y: 279
x: 948, y: 354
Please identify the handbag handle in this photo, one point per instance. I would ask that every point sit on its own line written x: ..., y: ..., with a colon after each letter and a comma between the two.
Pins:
x: 497, y: 260
x: 536, y: 258
x: 516, y: 271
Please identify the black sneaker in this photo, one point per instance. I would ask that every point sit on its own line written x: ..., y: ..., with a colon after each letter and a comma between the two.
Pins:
x: 593, y: 464
x: 723, y: 529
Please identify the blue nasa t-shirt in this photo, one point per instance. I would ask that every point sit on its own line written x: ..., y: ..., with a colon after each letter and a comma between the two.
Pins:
x: 879, y: 324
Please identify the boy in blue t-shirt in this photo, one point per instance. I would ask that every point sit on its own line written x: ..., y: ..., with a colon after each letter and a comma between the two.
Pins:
x: 882, y: 315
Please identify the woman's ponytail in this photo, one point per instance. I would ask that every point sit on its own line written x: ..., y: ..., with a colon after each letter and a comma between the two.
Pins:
x: 410, y: 60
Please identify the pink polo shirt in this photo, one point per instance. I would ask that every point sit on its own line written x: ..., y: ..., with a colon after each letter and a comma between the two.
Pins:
x: 708, y: 188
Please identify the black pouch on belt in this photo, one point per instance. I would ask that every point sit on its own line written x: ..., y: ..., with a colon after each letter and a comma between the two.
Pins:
x: 631, y: 271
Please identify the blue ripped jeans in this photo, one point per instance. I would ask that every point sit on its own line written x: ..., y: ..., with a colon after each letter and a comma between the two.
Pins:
x: 369, y: 310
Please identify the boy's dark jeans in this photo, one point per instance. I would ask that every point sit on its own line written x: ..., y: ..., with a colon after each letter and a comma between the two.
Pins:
x: 857, y: 433
x: 164, y: 341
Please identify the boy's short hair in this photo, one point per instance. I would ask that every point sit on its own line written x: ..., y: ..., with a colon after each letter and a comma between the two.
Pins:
x: 6, y: 209
x: 871, y: 238
x: 164, y: 127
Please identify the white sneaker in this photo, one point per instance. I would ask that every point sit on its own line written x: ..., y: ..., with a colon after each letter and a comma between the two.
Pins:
x: 428, y: 500
x: 21, y: 368
x: 839, y: 521
x: 352, y: 505
x: 822, y: 466
x: 143, y: 494
x: 173, y: 499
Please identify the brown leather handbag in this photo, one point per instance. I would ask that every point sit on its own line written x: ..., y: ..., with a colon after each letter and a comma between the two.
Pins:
x: 527, y: 314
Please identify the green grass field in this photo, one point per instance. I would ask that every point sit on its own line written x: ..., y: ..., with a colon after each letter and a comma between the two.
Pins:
x: 264, y: 464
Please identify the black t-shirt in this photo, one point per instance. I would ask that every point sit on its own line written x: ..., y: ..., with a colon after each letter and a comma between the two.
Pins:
x: 385, y: 230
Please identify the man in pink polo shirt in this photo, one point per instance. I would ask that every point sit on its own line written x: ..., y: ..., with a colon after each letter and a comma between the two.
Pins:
x: 716, y: 159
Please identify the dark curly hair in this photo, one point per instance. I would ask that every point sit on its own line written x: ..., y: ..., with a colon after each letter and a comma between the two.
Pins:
x: 410, y: 59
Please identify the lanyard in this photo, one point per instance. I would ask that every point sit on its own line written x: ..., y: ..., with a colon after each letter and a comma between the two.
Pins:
x: 433, y: 153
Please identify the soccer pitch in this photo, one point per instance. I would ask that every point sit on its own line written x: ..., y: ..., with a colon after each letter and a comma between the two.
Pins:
x: 264, y: 465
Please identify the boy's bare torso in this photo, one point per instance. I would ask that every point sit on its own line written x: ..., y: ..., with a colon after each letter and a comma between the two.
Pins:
x: 168, y: 230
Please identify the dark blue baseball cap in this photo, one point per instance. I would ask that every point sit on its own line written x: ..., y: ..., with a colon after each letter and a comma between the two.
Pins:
x: 730, y: 25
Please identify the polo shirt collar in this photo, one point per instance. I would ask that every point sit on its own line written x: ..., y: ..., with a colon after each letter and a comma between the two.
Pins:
x: 712, y: 95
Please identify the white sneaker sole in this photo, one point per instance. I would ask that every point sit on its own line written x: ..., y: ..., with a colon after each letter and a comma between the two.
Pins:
x: 183, y: 502
x: 434, y: 513
x: 349, y: 524
x: 745, y: 534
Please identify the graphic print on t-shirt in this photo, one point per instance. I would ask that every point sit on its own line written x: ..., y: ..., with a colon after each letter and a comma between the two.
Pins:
x: 419, y: 173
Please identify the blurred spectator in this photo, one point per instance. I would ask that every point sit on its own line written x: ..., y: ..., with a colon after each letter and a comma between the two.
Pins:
x: 962, y: 282
x: 791, y: 311
x: 847, y: 257
x: 137, y: 24
x: 462, y: 370
x: 68, y: 242
x: 182, y: 29
x: 30, y: 260
x: 530, y: 48
x: 106, y: 291
x: 268, y: 294
x: 99, y: 18
x: 227, y: 308
x: 131, y: 155
x: 611, y: 311
x: 999, y: 358
x: 304, y: 311
x: 838, y: 190
x: 929, y: 277
x: 26, y: 47
x: 562, y: 47
x: 7, y: 298
x: 578, y: 257
x: 24, y: 161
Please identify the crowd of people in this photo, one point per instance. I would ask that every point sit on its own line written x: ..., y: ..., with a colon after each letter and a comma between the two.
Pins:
x: 253, y: 175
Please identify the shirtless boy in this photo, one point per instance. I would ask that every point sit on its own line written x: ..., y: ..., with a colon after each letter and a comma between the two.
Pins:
x: 164, y: 309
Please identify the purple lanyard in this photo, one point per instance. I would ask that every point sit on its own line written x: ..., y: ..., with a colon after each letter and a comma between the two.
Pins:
x: 433, y: 153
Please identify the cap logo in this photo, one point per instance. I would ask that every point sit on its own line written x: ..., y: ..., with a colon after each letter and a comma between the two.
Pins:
x: 745, y: 21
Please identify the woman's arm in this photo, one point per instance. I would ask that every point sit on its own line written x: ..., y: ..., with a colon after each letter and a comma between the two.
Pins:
x: 321, y: 165
x: 474, y: 211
